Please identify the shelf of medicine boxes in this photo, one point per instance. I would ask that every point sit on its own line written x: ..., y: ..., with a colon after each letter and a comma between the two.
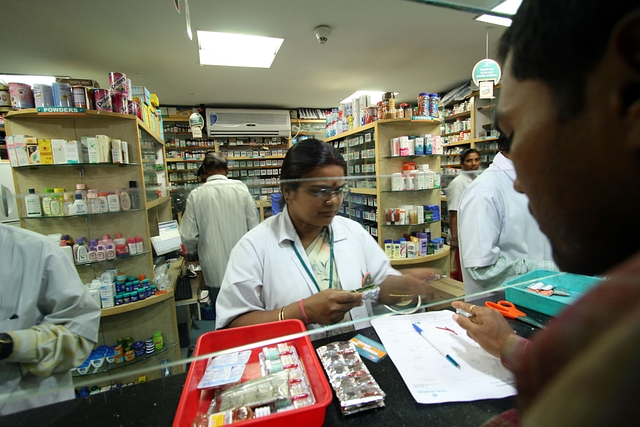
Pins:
x: 261, y: 185
x: 382, y: 131
x: 109, y: 367
x: 140, y: 320
x: 145, y: 149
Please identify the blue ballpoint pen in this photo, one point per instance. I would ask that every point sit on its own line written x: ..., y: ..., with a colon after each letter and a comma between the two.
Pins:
x: 423, y: 335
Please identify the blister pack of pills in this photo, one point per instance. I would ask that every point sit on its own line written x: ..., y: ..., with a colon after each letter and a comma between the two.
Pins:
x: 350, y: 378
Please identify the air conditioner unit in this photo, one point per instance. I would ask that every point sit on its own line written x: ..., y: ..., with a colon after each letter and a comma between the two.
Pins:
x: 239, y: 122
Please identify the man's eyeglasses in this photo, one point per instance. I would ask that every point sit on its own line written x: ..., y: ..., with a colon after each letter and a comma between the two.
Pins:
x: 327, y: 192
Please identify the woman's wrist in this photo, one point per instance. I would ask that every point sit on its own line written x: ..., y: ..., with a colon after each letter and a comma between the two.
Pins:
x: 305, y: 317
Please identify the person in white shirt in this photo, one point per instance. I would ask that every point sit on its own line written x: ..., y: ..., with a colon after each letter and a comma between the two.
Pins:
x: 470, y: 161
x: 48, y: 321
x: 303, y: 262
x: 218, y: 213
x: 498, y: 237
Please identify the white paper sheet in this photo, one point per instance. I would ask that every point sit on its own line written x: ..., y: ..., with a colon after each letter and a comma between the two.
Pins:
x: 428, y: 375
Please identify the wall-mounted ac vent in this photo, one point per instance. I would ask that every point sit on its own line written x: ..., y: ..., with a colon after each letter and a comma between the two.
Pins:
x: 239, y: 122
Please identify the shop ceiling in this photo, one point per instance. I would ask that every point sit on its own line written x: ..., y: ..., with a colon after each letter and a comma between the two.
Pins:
x: 386, y: 45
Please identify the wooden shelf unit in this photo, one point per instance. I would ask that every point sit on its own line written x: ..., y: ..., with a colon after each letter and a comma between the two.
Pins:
x: 146, y: 150
x: 373, y: 201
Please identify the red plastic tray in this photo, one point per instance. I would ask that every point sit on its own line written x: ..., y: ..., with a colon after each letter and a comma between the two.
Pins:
x: 194, y: 401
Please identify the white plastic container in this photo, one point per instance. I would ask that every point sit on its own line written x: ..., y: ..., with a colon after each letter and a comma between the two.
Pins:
x: 32, y: 201
x: 80, y: 206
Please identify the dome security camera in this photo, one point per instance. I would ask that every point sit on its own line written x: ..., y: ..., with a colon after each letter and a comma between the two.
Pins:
x: 322, y: 34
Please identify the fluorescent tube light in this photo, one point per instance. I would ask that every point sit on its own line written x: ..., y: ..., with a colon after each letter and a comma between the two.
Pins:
x: 237, y: 50
x: 374, y: 96
x: 507, y: 6
x: 27, y: 79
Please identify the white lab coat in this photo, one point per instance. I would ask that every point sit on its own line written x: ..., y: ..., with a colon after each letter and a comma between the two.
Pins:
x: 218, y: 214
x: 494, y: 220
x: 456, y: 188
x: 39, y: 285
x: 264, y: 272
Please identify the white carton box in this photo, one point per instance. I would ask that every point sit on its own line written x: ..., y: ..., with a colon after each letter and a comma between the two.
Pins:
x: 11, y: 151
x: 116, y: 151
x: 90, y: 150
x: 104, y: 148
x: 20, y: 147
x: 58, y: 150
x: 73, y: 151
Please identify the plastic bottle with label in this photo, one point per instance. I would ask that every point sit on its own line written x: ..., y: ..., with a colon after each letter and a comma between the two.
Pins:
x: 104, y: 203
x: 133, y: 194
x: 113, y: 202
x: 125, y: 200
x: 57, y: 202
x: 93, y: 204
x: 33, y: 203
x: 82, y: 189
x: 80, y: 206
x: 46, y: 201
x: 67, y: 204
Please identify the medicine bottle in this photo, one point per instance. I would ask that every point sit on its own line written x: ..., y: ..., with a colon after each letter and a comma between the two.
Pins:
x: 102, y: 199
x: 125, y: 200
x: 93, y: 203
x: 46, y: 201
x: 114, y: 202
x: 33, y: 203
x: 82, y: 189
x: 79, y: 206
x: 57, y: 202
x: 133, y: 194
x: 158, y: 341
x: 67, y: 204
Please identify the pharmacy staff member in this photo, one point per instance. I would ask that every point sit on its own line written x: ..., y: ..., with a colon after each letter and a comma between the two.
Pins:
x: 499, y: 238
x: 470, y: 161
x: 48, y: 321
x: 299, y: 263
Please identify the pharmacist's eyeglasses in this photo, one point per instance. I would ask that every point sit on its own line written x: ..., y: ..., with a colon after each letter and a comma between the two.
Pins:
x: 327, y: 193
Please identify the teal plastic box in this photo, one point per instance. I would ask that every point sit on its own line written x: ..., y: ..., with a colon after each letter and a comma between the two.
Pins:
x: 575, y: 284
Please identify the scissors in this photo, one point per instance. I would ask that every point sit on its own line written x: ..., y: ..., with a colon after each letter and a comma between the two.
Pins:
x: 507, y: 309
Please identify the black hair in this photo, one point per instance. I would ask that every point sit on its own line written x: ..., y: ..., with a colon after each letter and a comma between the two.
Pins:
x: 466, y: 153
x: 213, y: 161
x: 305, y: 157
x: 560, y: 42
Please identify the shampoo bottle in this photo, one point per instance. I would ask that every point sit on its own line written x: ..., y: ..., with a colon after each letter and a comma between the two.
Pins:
x: 110, y: 249
x: 133, y: 194
x: 125, y: 200
x: 46, y: 201
x: 92, y: 255
x: 131, y: 242
x: 82, y: 253
x: 57, y: 202
x: 33, y: 203
x: 79, y: 206
x: 101, y: 253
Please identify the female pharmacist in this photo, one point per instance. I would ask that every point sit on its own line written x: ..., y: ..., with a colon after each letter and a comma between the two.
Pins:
x: 470, y: 161
x: 302, y: 263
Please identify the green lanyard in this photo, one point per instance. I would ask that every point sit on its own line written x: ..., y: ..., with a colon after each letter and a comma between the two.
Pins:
x: 293, y: 245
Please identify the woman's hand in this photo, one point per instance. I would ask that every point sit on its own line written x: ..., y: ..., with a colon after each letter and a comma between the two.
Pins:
x: 487, y: 327
x: 329, y: 306
x: 406, y: 288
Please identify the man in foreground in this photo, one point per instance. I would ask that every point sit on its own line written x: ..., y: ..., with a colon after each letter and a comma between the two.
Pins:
x: 571, y: 105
